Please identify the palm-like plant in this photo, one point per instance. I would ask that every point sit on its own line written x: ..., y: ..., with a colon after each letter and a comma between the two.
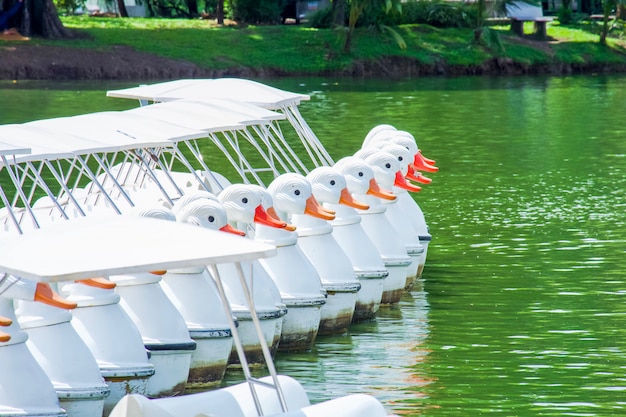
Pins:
x: 357, y: 7
x: 607, y: 7
x: 497, y: 7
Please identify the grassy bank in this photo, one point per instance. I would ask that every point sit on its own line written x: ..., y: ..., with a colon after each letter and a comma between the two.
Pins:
x: 294, y: 50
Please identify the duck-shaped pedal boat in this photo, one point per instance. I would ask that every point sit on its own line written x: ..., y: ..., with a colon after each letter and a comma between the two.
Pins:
x: 112, y: 338
x: 297, y: 280
x: 162, y: 327
x: 195, y: 295
x: 348, y: 232
x: 204, y: 210
x: 406, y: 229
x: 315, y: 238
x: 26, y: 387
x: 384, y: 134
x: 63, y: 354
x: 294, y: 200
x: 384, y: 236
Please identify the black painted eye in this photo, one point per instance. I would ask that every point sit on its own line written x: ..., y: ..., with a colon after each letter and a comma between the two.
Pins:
x: 297, y: 192
x: 332, y: 182
x: 360, y: 174
x: 211, y: 219
x: 387, y: 165
x: 400, y: 158
x: 244, y: 200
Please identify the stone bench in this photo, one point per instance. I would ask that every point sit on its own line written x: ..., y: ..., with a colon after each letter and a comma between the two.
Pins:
x: 520, y: 12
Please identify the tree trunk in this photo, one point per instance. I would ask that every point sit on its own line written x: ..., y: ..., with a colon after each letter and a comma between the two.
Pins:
x: 347, y: 46
x: 608, y: 5
x: 40, y: 18
x: 478, y: 35
x: 219, y: 11
x: 121, y: 8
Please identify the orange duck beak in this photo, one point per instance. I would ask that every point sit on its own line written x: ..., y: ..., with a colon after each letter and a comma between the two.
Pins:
x: 314, y: 209
x: 272, y: 212
x: 229, y: 229
x: 103, y: 283
x: 44, y: 294
x: 347, y: 200
x: 262, y: 217
x: 423, y: 164
x: 401, y: 182
x: 5, y: 321
x: 376, y: 191
x: 414, y: 175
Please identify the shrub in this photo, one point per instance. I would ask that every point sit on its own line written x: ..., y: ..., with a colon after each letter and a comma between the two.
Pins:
x: 321, y: 18
x: 69, y: 7
x: 565, y: 15
x: 439, y: 13
x: 257, y: 11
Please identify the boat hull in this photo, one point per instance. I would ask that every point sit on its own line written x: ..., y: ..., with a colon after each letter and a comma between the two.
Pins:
x: 300, y: 324
x: 210, y: 359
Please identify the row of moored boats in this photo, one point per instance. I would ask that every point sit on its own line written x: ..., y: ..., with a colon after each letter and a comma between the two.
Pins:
x: 131, y: 271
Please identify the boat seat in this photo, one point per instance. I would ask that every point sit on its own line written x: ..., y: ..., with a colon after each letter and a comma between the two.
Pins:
x: 356, y: 405
x: 218, y: 403
x: 233, y: 401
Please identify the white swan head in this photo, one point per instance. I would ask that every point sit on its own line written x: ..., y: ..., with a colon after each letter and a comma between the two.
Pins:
x: 292, y: 194
x: 402, y: 155
x: 243, y: 204
x: 420, y: 162
x: 190, y: 196
x: 385, y: 129
x: 409, y: 155
x: 414, y: 154
x: 157, y: 212
x: 330, y: 186
x: 206, y: 213
x: 268, y: 205
x: 360, y: 179
x: 388, y: 172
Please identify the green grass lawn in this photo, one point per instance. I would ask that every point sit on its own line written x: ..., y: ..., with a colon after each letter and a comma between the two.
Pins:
x: 304, y: 50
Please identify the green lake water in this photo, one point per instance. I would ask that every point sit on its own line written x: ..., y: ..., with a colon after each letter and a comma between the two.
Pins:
x: 522, y: 304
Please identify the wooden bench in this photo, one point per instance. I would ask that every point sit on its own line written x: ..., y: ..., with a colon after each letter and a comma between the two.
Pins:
x: 520, y: 12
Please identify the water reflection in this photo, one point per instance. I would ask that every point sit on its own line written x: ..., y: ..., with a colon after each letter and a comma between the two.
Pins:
x: 371, y: 358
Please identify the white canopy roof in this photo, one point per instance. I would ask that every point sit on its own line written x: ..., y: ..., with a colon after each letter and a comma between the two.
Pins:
x: 227, y: 88
x: 193, y: 115
x: 120, y: 130
x: 102, y: 246
x: 66, y: 137
x: 9, y: 149
x: 39, y: 143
